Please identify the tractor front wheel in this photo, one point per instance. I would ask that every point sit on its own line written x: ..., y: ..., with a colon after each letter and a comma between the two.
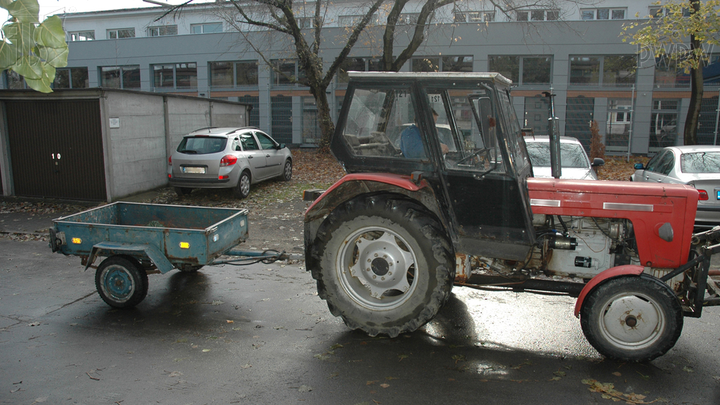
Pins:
x: 632, y: 318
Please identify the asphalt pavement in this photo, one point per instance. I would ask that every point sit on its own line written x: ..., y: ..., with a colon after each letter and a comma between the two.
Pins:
x: 261, y: 335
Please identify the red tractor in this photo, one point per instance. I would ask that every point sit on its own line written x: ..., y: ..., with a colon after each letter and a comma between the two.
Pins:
x: 440, y: 192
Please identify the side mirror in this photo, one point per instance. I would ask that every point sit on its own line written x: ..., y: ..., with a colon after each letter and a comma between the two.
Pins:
x: 598, y: 162
x: 638, y: 166
x: 281, y: 146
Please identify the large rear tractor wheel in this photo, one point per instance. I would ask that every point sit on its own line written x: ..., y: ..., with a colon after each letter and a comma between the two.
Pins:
x: 632, y: 318
x: 121, y: 281
x: 386, y: 266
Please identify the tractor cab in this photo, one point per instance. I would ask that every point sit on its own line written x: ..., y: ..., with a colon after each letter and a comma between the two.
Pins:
x: 459, y: 133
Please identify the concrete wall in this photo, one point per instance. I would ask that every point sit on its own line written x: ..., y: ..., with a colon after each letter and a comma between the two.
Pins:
x: 140, y: 131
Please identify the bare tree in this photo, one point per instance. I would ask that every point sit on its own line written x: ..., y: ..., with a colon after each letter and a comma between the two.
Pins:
x: 290, y: 18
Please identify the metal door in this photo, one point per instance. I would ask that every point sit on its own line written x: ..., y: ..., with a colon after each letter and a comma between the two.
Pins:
x: 56, y: 149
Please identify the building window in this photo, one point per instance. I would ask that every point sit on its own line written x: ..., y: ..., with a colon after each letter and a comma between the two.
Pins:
x: 120, y: 77
x: 474, y: 16
x: 537, y: 15
x: 71, y: 78
x: 408, y: 18
x: 14, y: 80
x: 351, y: 64
x: 121, y: 33
x: 442, y: 64
x: 175, y: 76
x: 425, y: 64
x: 305, y: 22
x: 349, y: 20
x: 663, y: 123
x: 523, y: 70
x: 311, y: 133
x: 286, y: 72
x: 603, y: 13
x: 456, y: 64
x: 668, y: 75
x: 162, y: 31
x: 207, y: 28
x: 81, y: 36
x: 617, y: 70
x: 619, y: 122
x: 233, y: 74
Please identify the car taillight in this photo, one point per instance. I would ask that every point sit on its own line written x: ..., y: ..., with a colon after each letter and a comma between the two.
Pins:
x: 228, y: 160
x: 703, y: 195
x: 170, y: 161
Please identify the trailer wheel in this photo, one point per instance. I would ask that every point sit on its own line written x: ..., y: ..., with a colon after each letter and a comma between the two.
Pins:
x: 243, y: 187
x: 386, y: 266
x: 121, y: 281
x: 632, y: 318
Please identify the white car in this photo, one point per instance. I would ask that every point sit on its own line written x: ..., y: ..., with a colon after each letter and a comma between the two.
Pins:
x: 574, y: 162
x: 227, y: 158
x: 697, y: 166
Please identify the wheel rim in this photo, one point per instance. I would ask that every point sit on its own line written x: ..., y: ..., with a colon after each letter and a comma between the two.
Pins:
x: 376, y: 267
x: 244, y: 184
x: 632, y: 321
x: 288, y: 170
x: 117, y: 283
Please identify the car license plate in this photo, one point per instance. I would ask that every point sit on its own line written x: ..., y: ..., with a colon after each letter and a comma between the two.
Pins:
x: 194, y: 170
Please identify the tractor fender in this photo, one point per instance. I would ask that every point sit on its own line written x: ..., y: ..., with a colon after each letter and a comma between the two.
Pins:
x: 625, y: 270
x: 353, y: 185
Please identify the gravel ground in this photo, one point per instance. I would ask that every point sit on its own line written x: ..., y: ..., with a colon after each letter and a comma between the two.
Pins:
x: 275, y: 208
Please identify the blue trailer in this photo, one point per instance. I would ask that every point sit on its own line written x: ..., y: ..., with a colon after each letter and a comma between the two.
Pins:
x: 137, y: 239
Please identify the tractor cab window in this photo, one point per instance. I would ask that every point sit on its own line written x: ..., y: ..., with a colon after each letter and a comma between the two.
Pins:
x: 473, y: 125
x: 381, y: 123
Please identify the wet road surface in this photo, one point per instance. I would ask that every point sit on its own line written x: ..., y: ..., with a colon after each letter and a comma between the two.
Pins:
x: 261, y: 335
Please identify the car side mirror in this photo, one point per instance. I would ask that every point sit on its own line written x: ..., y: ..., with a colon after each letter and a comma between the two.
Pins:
x: 598, y: 162
x: 638, y: 166
x: 281, y: 146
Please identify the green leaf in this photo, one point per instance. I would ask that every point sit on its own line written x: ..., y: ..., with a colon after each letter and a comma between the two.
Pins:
x: 8, y: 55
x: 50, y: 33
x: 30, y: 66
x: 26, y: 11
x: 56, y: 57
x: 42, y: 86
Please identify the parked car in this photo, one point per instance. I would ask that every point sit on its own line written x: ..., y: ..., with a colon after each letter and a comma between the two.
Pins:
x: 574, y: 161
x: 697, y: 166
x: 227, y: 158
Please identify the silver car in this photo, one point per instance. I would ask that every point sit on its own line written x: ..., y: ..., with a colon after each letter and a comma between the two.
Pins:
x: 227, y: 158
x: 573, y: 159
x: 697, y: 166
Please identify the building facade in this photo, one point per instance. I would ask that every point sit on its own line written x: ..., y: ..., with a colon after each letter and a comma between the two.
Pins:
x: 572, y: 50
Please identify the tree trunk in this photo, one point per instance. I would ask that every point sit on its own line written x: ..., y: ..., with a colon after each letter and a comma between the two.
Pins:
x: 327, y: 128
x: 693, y: 115
x: 696, y: 91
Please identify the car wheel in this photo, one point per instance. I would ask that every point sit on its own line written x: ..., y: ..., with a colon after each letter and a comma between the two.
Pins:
x: 632, y: 318
x: 243, y: 187
x: 287, y: 171
x: 386, y: 266
x: 182, y: 191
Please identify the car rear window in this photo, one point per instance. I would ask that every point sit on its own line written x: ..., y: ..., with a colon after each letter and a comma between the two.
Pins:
x: 700, y: 162
x: 202, y: 145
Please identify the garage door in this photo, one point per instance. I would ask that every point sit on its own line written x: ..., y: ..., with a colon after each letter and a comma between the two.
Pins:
x: 56, y: 149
